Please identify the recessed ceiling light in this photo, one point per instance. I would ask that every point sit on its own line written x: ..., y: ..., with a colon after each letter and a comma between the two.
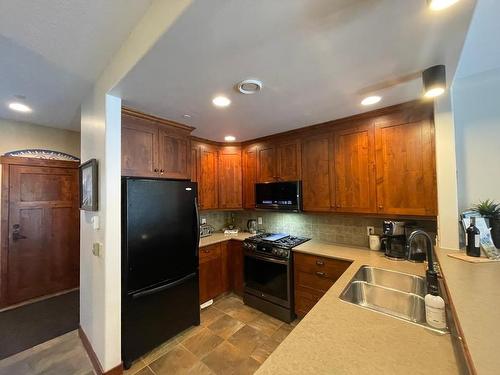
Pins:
x: 19, y: 107
x: 186, y: 116
x: 249, y: 86
x: 371, y: 100
x: 221, y: 101
x: 230, y: 138
x: 434, y: 80
x: 440, y: 4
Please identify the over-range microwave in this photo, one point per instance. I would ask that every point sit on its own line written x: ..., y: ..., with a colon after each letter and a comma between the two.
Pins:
x: 282, y: 196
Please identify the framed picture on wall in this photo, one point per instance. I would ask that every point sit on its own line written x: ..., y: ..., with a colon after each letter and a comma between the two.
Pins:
x: 88, y: 186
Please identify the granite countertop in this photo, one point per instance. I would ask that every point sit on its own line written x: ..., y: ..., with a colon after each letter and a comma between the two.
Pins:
x: 337, y: 337
x: 218, y: 237
x: 474, y: 289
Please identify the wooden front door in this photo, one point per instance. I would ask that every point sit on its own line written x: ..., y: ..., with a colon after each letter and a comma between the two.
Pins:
x: 40, y: 252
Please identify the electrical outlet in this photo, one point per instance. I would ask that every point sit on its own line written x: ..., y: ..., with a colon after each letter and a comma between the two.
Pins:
x: 259, y: 220
x: 97, y: 249
x: 203, y: 220
x: 370, y: 230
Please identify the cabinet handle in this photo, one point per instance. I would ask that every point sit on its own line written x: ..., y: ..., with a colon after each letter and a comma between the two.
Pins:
x: 206, y: 251
x: 320, y: 262
x: 380, y: 207
x: 161, y: 171
x: 320, y: 274
x: 156, y: 169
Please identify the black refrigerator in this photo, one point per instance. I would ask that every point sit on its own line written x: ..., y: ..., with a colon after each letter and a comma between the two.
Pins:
x: 160, y: 238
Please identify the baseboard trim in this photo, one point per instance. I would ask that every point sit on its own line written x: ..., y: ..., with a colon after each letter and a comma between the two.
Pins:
x: 118, y: 370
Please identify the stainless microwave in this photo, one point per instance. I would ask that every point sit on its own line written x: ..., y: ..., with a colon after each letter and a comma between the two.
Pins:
x: 282, y: 196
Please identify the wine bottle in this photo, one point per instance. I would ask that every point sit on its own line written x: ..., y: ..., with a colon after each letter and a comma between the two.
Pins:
x: 473, y: 243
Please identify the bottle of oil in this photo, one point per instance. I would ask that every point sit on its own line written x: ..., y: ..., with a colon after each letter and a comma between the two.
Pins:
x: 473, y: 244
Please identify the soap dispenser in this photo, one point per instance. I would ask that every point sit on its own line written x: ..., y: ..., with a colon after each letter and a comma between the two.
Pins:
x: 435, y: 313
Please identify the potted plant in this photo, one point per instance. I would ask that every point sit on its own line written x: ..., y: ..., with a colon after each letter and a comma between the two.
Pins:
x: 490, y: 210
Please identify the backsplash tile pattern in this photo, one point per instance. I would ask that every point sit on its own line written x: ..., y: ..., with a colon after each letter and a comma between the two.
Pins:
x: 341, y: 229
x: 217, y: 219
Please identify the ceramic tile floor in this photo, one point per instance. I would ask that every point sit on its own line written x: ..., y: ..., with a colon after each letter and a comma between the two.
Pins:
x: 231, y: 339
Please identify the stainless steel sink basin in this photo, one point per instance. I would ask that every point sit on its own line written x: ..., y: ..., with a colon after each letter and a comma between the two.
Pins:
x: 392, y: 293
x: 403, y: 282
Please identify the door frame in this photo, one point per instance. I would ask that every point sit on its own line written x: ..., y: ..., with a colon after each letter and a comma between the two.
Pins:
x: 6, y: 162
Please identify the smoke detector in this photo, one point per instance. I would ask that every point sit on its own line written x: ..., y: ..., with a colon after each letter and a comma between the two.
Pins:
x: 249, y: 86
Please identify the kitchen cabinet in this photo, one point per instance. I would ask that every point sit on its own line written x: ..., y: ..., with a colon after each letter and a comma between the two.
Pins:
x: 211, y: 280
x: 354, y: 160
x: 405, y: 167
x: 278, y: 161
x: 208, y: 177
x: 221, y: 269
x: 153, y: 147
x: 316, y: 173
x: 230, y: 180
x: 313, y: 276
x: 249, y: 169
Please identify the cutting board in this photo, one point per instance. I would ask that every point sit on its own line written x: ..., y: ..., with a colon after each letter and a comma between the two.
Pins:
x: 466, y: 258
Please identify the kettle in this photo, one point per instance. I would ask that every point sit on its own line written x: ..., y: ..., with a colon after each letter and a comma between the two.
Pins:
x: 252, y: 226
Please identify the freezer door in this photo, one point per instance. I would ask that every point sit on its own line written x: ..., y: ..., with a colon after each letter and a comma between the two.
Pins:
x: 161, y: 234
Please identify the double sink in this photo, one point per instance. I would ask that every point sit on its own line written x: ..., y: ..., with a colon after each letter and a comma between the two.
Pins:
x: 396, y: 294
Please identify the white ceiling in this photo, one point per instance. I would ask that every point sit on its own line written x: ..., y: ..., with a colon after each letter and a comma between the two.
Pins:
x: 316, y: 59
x: 51, y: 51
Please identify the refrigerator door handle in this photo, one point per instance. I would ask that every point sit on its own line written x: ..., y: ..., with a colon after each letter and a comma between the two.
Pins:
x: 161, y: 288
x: 197, y: 227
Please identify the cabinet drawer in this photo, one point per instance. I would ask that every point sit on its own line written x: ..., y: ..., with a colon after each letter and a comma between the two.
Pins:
x: 320, y: 267
x: 315, y: 281
x: 305, y: 300
x: 210, y: 252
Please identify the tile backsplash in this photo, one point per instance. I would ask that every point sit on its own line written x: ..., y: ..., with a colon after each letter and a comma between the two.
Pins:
x: 342, y: 229
x: 217, y: 219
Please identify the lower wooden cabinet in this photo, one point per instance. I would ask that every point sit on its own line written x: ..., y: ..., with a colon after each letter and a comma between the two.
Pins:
x: 313, y: 276
x: 221, y: 269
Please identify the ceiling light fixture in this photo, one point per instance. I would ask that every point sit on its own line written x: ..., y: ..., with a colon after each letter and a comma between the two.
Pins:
x: 19, y: 107
x: 434, y: 80
x: 440, y: 4
x: 370, y: 100
x: 186, y: 116
x: 249, y: 86
x: 230, y: 138
x: 221, y: 101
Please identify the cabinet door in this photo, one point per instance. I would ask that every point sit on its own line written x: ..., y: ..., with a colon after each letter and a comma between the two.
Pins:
x: 288, y: 161
x: 139, y: 147
x: 249, y: 176
x: 236, y: 258
x: 355, y: 170
x: 174, y: 154
x: 405, y: 168
x: 230, y: 177
x: 208, y: 190
x: 211, y: 284
x: 316, y: 193
x: 266, y: 163
x: 195, y: 163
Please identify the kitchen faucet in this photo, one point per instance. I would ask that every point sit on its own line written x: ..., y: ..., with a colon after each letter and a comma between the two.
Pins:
x: 430, y: 274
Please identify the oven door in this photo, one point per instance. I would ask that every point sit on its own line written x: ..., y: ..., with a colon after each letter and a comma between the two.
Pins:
x: 268, y: 278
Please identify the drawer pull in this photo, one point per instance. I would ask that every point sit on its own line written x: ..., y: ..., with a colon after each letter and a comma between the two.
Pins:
x: 206, y: 251
x: 319, y: 262
x: 320, y: 274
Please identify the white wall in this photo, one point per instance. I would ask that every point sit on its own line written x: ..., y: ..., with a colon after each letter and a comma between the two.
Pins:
x: 100, y: 277
x: 446, y: 173
x: 476, y: 102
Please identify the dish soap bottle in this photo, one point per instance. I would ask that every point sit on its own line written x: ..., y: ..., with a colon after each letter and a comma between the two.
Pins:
x: 473, y: 243
x: 435, y: 314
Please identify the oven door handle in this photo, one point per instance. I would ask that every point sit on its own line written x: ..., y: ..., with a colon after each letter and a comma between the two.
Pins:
x: 267, y: 259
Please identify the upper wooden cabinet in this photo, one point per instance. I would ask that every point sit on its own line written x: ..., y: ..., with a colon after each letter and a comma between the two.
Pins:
x: 230, y: 182
x: 153, y: 147
x: 354, y: 181
x: 316, y: 173
x: 278, y: 161
x: 405, y: 168
x: 208, y: 176
x: 249, y: 169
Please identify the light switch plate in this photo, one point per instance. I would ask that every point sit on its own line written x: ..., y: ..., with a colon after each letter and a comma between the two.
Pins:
x: 259, y: 220
x: 95, y: 222
x: 203, y: 220
x: 97, y: 249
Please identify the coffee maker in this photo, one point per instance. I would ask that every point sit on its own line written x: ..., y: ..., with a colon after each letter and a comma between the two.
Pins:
x: 394, y: 239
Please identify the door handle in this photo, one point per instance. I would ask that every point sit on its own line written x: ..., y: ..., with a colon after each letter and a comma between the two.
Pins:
x: 16, y: 235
